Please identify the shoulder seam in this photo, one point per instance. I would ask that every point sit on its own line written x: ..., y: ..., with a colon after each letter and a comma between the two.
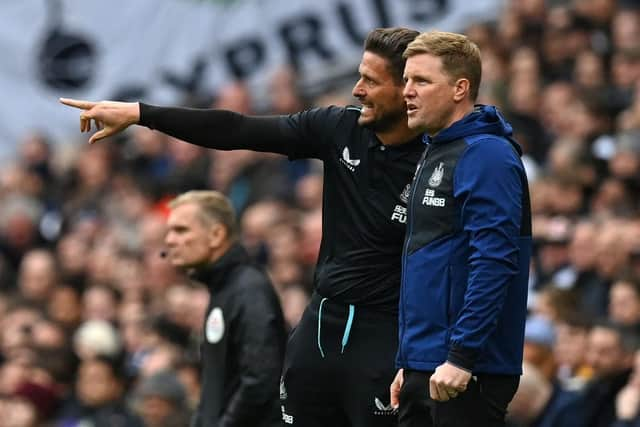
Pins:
x: 481, y: 137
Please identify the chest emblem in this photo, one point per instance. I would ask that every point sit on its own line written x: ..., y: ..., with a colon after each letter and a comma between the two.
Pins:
x: 405, y: 194
x: 348, y: 161
x: 214, y: 328
x: 436, y: 176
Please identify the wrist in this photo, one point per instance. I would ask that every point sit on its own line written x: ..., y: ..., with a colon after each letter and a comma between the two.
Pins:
x: 462, y: 358
x: 135, y: 113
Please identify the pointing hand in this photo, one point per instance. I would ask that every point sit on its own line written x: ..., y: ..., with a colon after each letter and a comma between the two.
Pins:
x: 109, y: 117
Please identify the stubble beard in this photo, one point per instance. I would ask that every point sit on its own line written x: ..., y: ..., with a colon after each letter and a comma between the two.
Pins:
x: 386, y: 121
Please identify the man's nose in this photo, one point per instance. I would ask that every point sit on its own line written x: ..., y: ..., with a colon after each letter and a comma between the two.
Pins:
x: 408, y: 91
x: 169, y: 239
x: 358, y: 91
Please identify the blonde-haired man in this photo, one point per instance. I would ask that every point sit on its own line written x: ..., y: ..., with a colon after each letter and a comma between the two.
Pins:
x: 244, y: 335
x: 467, y: 249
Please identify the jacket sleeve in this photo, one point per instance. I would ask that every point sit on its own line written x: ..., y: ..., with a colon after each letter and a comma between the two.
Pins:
x: 488, y: 186
x: 300, y: 135
x: 260, y: 338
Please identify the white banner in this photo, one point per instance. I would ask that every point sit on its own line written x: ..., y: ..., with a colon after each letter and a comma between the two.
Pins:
x: 160, y: 50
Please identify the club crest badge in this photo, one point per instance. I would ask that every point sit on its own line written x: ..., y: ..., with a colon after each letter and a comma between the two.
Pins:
x: 214, y: 328
x: 405, y: 194
x: 436, y: 176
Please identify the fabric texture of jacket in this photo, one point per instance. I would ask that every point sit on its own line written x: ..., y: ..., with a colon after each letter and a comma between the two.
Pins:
x: 243, y: 346
x: 467, y: 251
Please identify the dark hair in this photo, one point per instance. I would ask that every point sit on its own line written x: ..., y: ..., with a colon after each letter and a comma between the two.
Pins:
x: 628, y: 335
x: 60, y: 363
x: 575, y: 319
x: 116, y: 364
x: 170, y: 331
x: 390, y: 43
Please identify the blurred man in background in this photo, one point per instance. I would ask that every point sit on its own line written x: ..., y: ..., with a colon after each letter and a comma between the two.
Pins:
x: 244, y: 333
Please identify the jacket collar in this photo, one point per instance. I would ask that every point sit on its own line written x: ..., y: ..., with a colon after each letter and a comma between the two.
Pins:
x: 213, y: 274
x: 398, y: 150
x: 484, y: 119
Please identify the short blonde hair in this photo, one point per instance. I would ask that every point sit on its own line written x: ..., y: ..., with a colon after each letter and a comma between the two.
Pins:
x: 460, y: 56
x: 215, y: 207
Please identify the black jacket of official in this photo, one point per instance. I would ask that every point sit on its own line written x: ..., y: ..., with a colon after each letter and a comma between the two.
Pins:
x: 243, y: 345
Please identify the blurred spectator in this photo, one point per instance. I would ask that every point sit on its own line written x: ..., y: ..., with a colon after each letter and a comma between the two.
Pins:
x: 43, y: 400
x: 162, y: 401
x: 190, y: 166
x: 625, y: 26
x: 147, y: 158
x: 72, y: 257
x: 539, y: 340
x: 610, y: 355
x: 538, y: 403
x: 589, y: 72
x: 255, y: 223
x: 90, y: 179
x: 612, y: 197
x: 96, y: 338
x: 309, y: 192
x: 18, y: 412
x: 553, y: 257
x: 553, y: 303
x: 590, y: 289
x: 625, y: 162
x: 19, y: 219
x: 64, y: 307
x: 99, y: 394
x: 283, y: 91
x: 38, y: 276
x: 555, y: 103
x: 624, y: 302
x: 17, y: 325
x: 311, y: 237
x: 612, y: 255
x: 100, y: 302
x: 571, y: 344
x: 189, y: 376
x: 294, y: 300
x: 49, y: 334
x: 628, y: 399
x: 247, y: 176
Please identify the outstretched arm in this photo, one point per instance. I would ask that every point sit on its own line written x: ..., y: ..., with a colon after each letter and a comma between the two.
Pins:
x: 222, y: 129
x: 298, y: 135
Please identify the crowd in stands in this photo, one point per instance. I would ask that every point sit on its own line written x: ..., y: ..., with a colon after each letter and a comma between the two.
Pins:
x: 97, y: 327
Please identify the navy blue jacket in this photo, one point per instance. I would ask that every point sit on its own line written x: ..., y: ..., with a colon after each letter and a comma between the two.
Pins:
x: 467, y: 251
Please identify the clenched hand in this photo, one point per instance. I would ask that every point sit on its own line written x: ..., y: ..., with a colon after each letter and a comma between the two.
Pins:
x: 447, y: 382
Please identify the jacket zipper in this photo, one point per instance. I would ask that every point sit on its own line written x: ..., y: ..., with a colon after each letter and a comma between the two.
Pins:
x: 408, y: 234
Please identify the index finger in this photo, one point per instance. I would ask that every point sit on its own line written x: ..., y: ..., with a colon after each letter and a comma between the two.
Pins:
x: 85, y: 105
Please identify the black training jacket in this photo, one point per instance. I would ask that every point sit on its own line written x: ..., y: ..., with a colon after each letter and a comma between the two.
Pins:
x: 243, y: 345
x: 366, y: 185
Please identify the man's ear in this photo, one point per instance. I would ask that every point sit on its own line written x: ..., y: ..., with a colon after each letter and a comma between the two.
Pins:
x: 461, y: 89
x: 217, y: 235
